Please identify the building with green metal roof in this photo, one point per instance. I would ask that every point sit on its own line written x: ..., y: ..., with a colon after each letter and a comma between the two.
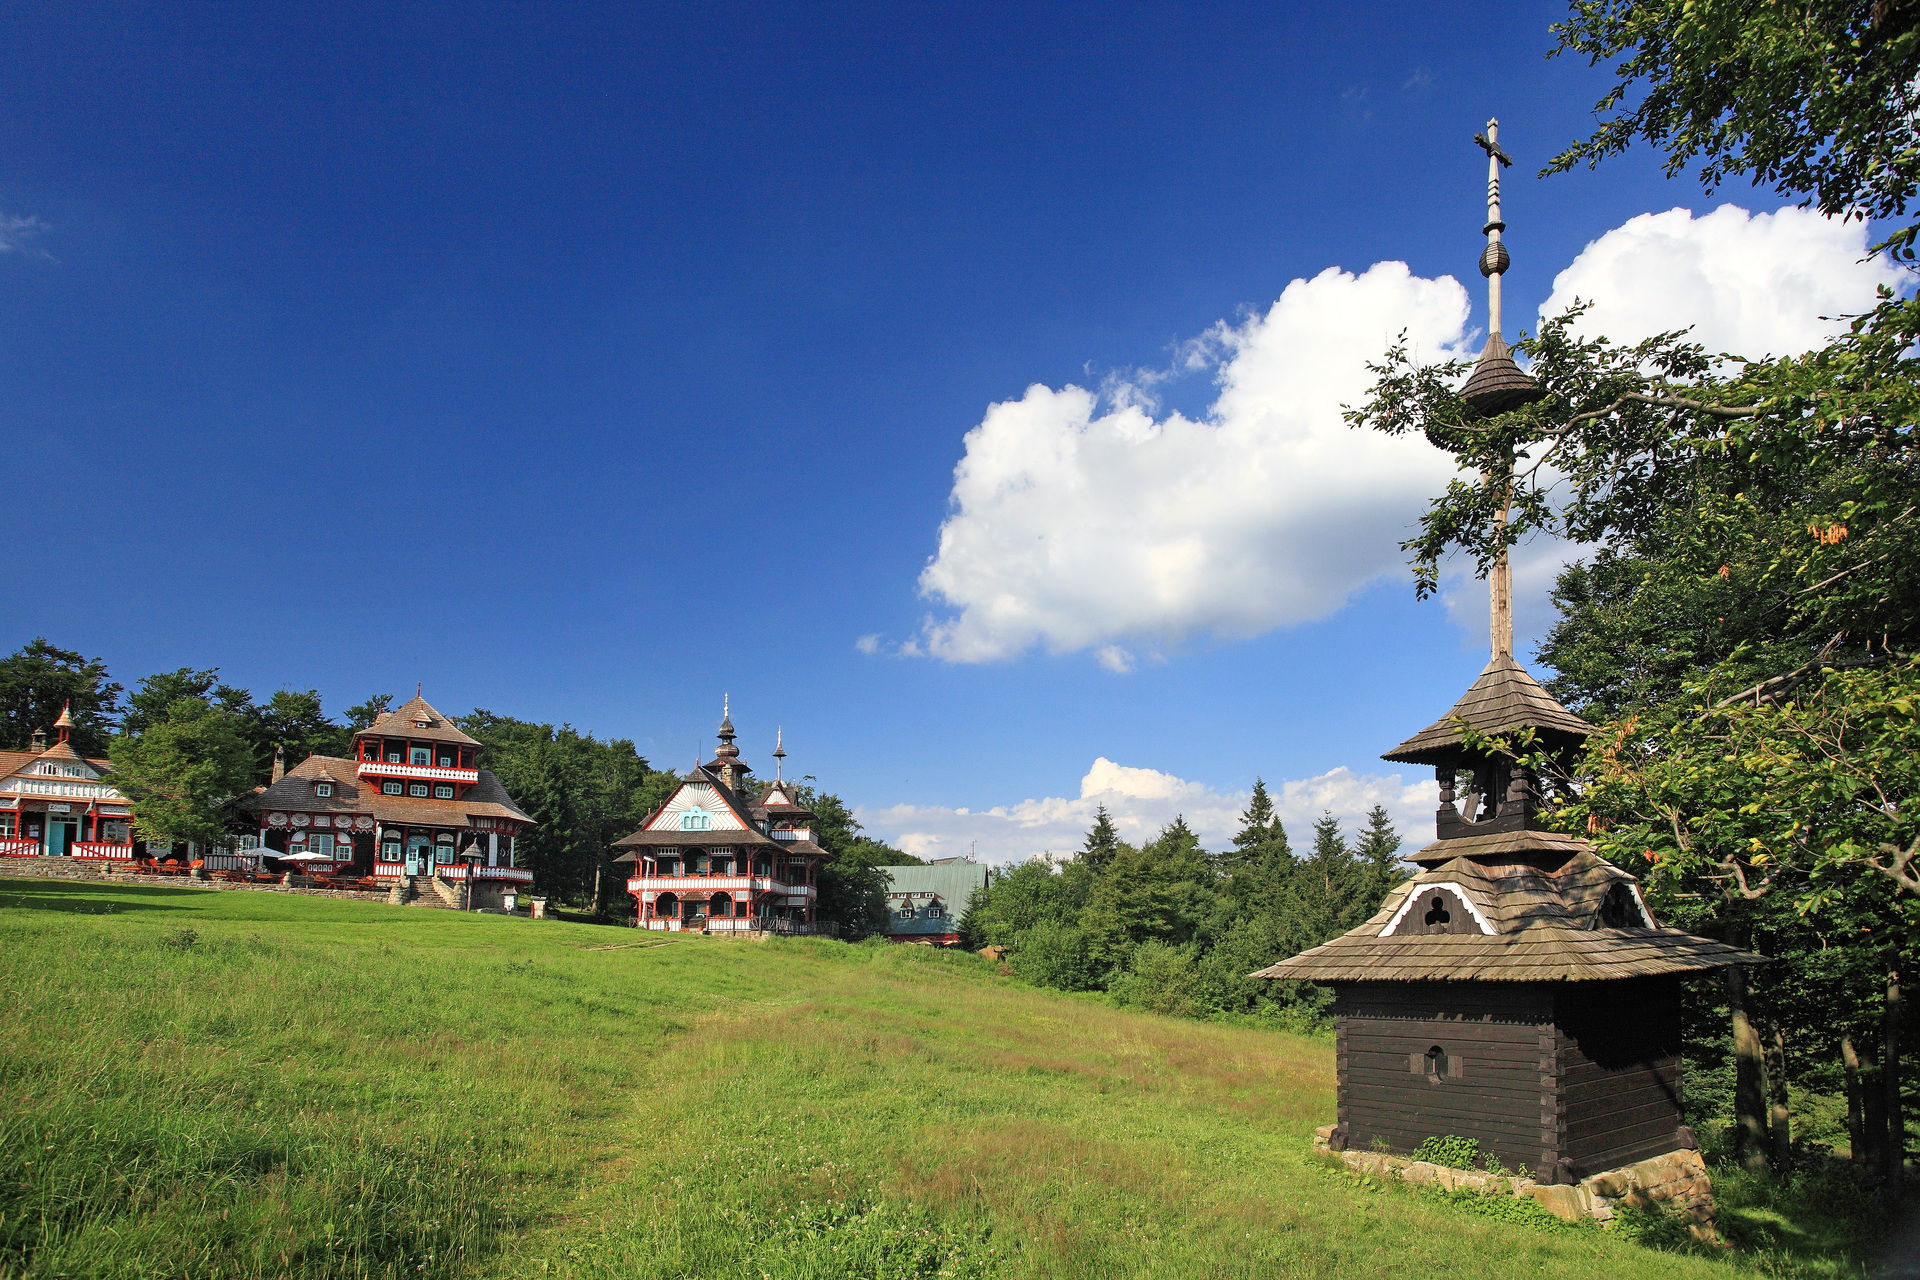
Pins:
x: 926, y: 904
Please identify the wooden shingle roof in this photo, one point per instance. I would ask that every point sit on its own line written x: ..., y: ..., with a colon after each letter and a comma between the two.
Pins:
x: 485, y: 799
x: 1542, y: 954
x: 1525, y: 844
x: 402, y: 723
x: 1505, y: 698
x: 1545, y: 914
x: 1496, y: 383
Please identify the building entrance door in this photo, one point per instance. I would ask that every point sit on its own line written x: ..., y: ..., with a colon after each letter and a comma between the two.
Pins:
x: 60, y: 834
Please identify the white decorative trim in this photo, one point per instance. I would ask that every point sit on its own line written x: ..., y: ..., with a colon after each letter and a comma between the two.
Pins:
x: 1413, y: 896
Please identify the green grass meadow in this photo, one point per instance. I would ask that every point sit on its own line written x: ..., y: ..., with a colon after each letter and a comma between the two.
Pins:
x: 205, y: 1083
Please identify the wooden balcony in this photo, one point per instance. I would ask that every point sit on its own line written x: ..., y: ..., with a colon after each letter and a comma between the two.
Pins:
x: 716, y: 884
x: 434, y: 773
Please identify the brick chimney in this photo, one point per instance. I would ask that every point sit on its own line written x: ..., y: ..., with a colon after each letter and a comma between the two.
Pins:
x: 279, y: 763
x: 39, y: 741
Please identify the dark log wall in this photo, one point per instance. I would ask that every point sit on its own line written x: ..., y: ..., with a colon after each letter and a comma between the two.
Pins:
x: 1618, y: 1046
x: 1498, y: 1042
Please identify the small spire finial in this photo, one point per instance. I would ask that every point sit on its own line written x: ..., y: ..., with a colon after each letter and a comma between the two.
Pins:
x: 418, y: 685
x: 779, y: 753
x: 1494, y: 259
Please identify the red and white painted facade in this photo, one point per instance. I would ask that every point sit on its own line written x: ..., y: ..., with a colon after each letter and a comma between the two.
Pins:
x: 412, y: 800
x: 55, y: 803
x: 711, y: 860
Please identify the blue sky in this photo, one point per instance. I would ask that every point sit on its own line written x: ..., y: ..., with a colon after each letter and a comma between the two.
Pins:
x: 584, y: 363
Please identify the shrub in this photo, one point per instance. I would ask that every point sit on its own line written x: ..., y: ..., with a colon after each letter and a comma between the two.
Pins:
x: 1450, y: 1151
x: 1054, y: 955
x: 1158, y: 978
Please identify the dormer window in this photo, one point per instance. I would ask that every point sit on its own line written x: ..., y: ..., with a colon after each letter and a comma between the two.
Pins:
x: 423, y: 724
x: 323, y: 789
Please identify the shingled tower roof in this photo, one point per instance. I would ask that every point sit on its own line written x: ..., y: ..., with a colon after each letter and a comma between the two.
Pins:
x: 1496, y: 383
x: 1504, y: 700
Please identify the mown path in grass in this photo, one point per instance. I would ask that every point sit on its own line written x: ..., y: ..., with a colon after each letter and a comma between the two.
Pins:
x: 254, y: 1084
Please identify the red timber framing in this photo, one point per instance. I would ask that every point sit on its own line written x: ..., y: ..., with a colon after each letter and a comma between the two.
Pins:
x: 411, y: 800
x: 725, y: 854
x: 53, y: 802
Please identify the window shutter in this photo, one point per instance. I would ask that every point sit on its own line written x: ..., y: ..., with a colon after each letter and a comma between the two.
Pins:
x: 1456, y: 1066
x: 1417, y: 1063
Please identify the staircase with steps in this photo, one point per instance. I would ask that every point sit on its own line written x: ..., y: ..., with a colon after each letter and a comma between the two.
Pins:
x: 426, y: 891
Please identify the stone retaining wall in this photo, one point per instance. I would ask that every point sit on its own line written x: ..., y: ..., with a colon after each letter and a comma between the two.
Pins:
x: 1676, y: 1182
x: 81, y: 869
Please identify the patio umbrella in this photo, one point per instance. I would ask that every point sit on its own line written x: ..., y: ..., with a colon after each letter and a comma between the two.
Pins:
x: 301, y: 857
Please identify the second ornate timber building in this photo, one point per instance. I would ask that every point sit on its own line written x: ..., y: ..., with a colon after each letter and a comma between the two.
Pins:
x: 725, y: 855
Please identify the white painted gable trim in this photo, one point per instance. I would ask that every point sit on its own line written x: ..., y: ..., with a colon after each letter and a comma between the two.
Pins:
x: 687, y: 798
x: 1414, y: 897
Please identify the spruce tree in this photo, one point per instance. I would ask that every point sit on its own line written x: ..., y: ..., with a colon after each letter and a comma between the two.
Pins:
x: 1261, y: 834
x: 1328, y: 886
x: 1379, y: 858
x: 1103, y: 841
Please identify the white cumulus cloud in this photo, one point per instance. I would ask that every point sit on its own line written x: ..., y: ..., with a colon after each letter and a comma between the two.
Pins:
x: 1082, y: 521
x: 1142, y: 801
x: 1750, y: 284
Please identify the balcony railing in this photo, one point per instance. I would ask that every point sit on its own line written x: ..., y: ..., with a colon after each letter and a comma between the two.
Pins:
x: 378, y: 768
x: 101, y: 849
x: 800, y: 833
x: 19, y: 848
x: 703, y: 884
x: 519, y: 875
x: 743, y: 924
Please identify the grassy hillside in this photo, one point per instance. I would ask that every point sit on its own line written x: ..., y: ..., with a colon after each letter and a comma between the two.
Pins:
x: 255, y: 1084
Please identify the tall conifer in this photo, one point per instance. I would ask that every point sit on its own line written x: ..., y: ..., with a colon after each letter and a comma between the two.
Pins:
x: 1379, y: 857
x: 1103, y: 841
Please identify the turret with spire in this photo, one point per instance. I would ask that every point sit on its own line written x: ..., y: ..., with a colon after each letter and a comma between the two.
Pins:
x: 726, y: 763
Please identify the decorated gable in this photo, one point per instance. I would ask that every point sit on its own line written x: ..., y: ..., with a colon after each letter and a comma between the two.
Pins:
x: 696, y: 806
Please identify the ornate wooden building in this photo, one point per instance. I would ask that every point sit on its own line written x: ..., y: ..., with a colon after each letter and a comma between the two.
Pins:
x: 54, y: 803
x: 1517, y: 990
x: 727, y: 855
x: 412, y: 801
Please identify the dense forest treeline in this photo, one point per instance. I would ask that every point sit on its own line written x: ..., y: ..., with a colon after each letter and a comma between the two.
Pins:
x: 1169, y: 926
